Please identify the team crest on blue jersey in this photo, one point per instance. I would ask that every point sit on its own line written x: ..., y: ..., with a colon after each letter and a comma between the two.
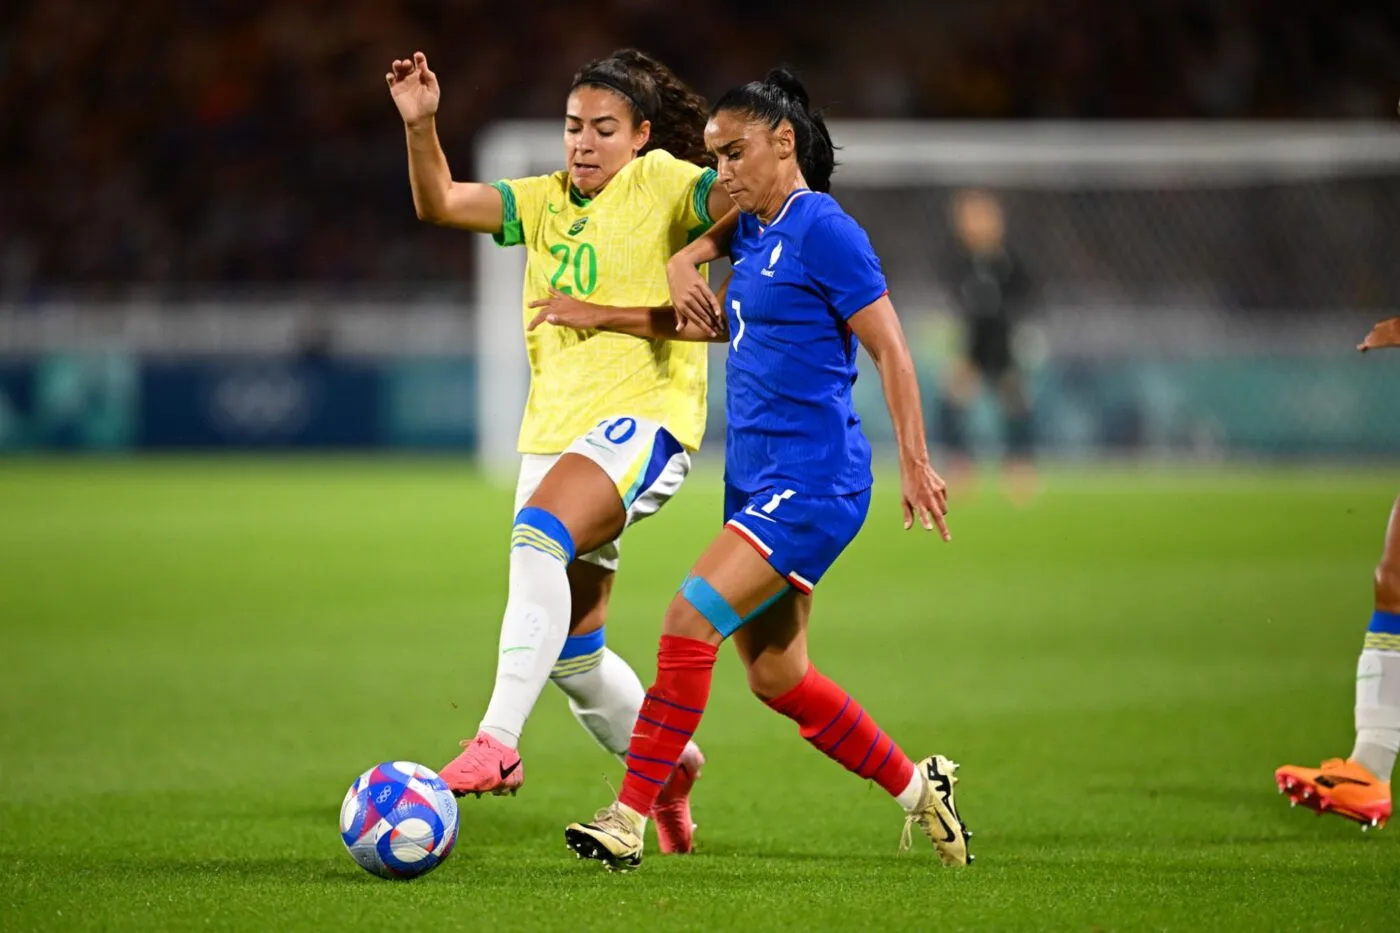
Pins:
x: 773, y: 259
x: 578, y: 226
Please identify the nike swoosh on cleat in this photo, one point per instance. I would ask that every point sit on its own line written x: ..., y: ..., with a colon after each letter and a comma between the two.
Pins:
x: 948, y: 835
x: 507, y: 772
x: 944, y: 789
x: 940, y: 782
x: 1332, y: 780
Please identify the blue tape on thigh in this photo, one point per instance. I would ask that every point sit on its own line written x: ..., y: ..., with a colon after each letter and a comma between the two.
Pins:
x: 764, y: 606
x: 707, y: 601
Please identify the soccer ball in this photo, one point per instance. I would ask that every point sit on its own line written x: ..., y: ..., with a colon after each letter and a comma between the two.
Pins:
x: 399, y: 820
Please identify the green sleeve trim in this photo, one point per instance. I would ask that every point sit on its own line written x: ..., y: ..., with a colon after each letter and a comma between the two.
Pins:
x: 512, y: 232
x: 703, y: 184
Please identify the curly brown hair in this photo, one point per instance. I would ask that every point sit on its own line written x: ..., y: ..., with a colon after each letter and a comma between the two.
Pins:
x: 653, y: 92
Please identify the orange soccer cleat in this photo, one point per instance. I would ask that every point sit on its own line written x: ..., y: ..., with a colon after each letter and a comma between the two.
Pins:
x: 1341, y: 786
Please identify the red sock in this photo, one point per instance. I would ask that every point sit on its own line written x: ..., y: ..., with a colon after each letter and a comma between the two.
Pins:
x: 833, y: 721
x: 669, y: 717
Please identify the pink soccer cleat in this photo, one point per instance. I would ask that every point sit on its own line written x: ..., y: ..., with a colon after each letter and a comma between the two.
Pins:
x: 486, y: 766
x: 675, y: 833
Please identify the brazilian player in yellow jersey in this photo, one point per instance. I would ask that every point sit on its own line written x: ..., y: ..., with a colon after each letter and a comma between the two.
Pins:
x: 609, y: 249
x: 611, y: 419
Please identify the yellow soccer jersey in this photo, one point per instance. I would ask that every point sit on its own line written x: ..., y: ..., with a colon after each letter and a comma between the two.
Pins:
x: 611, y: 250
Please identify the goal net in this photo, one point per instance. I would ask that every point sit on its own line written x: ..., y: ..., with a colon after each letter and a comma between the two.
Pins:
x: 1198, y: 288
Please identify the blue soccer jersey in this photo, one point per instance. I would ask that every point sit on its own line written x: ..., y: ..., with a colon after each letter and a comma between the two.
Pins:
x: 792, y: 357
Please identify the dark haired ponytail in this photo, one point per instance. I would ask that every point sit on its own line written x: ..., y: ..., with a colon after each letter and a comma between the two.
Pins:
x: 653, y: 92
x: 781, y: 96
x: 789, y: 84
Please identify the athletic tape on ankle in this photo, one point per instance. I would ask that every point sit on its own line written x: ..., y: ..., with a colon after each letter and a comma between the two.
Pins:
x: 538, y: 529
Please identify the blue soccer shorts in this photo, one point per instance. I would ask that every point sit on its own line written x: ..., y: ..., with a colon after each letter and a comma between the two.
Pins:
x: 800, y: 535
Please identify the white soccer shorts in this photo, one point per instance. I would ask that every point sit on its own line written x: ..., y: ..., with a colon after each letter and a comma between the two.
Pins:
x: 642, y: 459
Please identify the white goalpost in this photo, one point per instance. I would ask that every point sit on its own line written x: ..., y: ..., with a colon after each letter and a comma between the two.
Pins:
x: 1169, y: 234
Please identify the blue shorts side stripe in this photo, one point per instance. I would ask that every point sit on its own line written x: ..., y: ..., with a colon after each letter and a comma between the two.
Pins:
x: 663, y: 447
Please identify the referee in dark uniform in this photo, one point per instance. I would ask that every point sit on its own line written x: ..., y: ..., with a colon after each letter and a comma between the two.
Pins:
x: 990, y: 290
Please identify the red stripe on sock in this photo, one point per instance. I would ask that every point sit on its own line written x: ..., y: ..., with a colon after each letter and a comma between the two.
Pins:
x: 834, y: 722
x: 669, y: 717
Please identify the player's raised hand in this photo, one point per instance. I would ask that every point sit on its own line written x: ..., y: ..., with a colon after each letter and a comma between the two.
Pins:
x: 695, y: 304
x: 925, y: 496
x: 563, y: 310
x: 414, y: 88
x: 1384, y: 334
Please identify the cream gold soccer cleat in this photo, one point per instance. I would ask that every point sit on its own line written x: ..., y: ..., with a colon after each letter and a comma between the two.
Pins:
x: 614, y: 837
x: 936, y: 813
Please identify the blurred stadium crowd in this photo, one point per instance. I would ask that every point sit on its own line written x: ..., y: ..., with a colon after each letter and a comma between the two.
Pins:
x: 238, y: 142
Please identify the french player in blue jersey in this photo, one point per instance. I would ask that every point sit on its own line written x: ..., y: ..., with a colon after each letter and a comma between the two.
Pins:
x: 806, y: 291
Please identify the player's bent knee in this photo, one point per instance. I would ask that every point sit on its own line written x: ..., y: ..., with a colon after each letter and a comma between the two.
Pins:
x: 769, y: 680
x: 590, y: 588
x: 540, y: 530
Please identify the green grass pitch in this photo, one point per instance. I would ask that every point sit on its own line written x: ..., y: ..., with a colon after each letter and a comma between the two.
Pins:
x: 198, y: 656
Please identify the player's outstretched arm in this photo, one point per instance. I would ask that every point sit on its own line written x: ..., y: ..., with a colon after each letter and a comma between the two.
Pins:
x: 924, y: 492
x: 691, y: 297
x: 561, y: 310
x: 436, y: 197
x: 1385, y: 334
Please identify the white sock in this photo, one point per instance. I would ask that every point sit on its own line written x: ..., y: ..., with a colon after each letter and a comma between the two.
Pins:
x: 639, y: 820
x: 913, y: 792
x: 533, y: 631
x: 605, y: 698
x: 1377, y: 711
